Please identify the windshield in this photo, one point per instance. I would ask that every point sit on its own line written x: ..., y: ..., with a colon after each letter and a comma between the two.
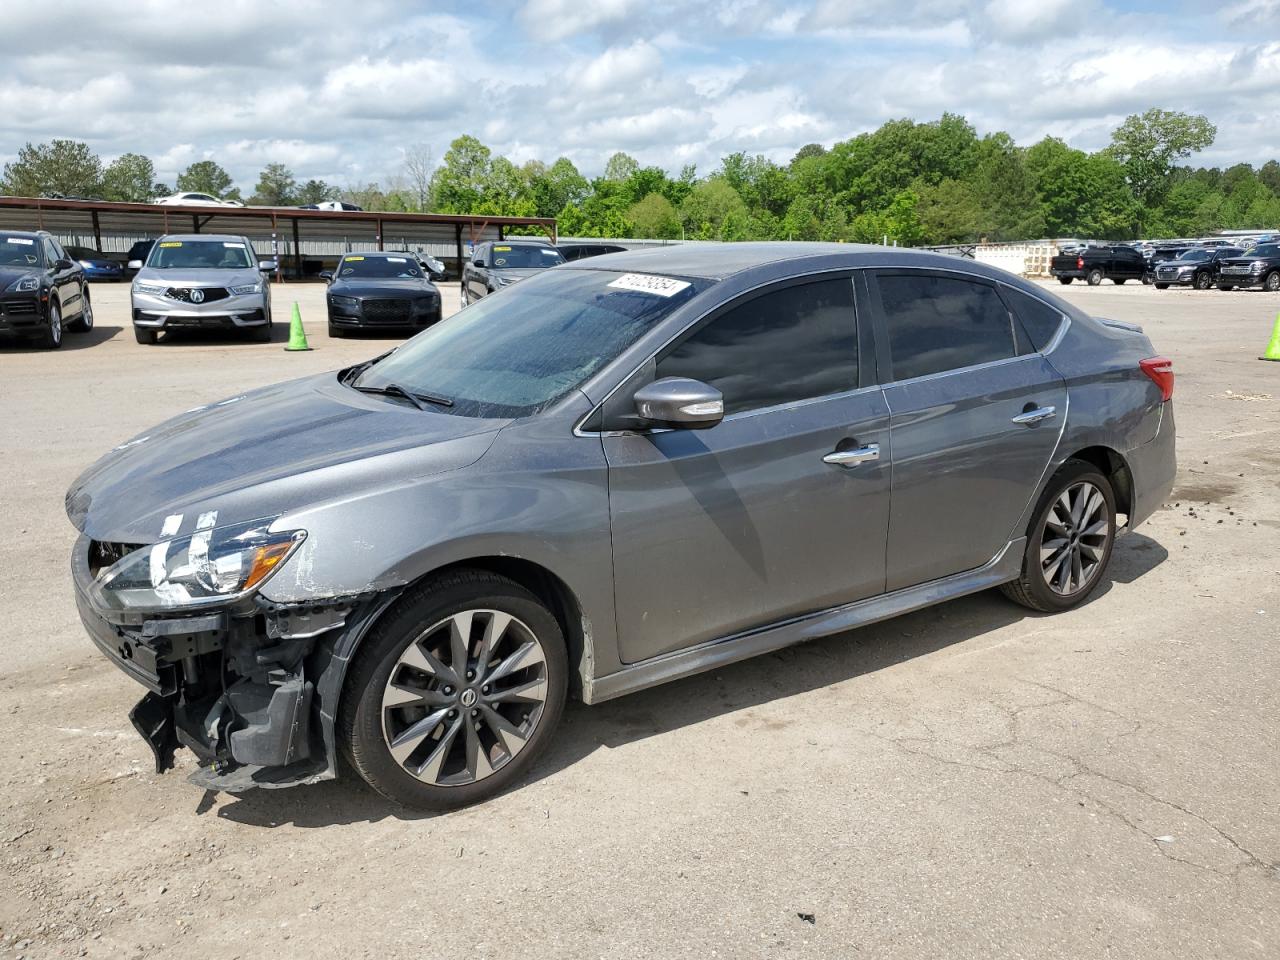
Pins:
x: 1196, y: 255
x: 402, y: 268
x: 19, y: 252
x: 514, y: 354
x: 1266, y: 250
x: 506, y: 256
x: 206, y: 254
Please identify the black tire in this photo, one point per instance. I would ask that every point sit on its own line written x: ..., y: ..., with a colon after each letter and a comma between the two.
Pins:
x: 1031, y: 589
x: 336, y: 332
x: 1226, y: 286
x: 1119, y: 282
x: 1064, y: 280
x: 360, y: 717
x: 1094, y: 277
x: 51, y: 335
x: 143, y: 335
x: 262, y: 334
x: 1147, y: 279
x: 1202, y: 281
x: 1162, y: 286
x: 84, y: 322
x: 1271, y: 283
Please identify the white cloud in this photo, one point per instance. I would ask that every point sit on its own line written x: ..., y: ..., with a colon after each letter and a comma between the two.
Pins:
x: 558, y: 19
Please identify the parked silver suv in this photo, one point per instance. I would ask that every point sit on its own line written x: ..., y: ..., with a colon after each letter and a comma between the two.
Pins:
x: 207, y: 281
x: 615, y: 473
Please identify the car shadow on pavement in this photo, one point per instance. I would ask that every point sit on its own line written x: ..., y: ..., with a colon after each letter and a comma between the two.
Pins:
x: 692, y: 700
x: 70, y: 341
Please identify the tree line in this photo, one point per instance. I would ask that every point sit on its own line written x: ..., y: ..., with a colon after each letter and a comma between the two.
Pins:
x: 909, y: 182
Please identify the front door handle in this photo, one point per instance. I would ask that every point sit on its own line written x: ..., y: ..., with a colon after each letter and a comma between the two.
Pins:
x: 851, y: 458
x: 1036, y: 415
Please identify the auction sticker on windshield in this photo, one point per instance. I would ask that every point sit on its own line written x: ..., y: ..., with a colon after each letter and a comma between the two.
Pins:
x: 648, y: 283
x: 172, y: 243
x: 22, y: 240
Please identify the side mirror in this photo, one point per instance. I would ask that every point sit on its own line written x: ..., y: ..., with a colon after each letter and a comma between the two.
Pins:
x: 681, y: 403
x: 326, y: 275
x: 478, y: 263
x: 62, y: 264
x: 134, y: 265
x: 266, y: 266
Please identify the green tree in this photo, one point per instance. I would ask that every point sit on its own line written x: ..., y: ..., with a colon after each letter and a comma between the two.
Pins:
x: 66, y: 167
x: 809, y: 150
x: 130, y: 177
x: 559, y: 185
x: 948, y: 212
x: 654, y: 218
x: 1005, y: 192
x: 1269, y: 174
x: 1148, y: 145
x: 459, y: 182
x: 276, y: 187
x: 207, y: 176
x: 620, y: 167
x: 316, y: 191
x: 1080, y: 194
x: 714, y: 211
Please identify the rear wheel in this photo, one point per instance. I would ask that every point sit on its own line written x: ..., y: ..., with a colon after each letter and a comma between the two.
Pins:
x: 455, y: 693
x: 1272, y: 283
x: 1064, y: 280
x: 51, y: 337
x: 1094, y: 278
x: 1202, y: 281
x: 1069, y: 542
x: 84, y: 322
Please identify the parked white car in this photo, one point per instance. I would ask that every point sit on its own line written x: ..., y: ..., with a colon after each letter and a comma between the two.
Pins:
x: 197, y: 200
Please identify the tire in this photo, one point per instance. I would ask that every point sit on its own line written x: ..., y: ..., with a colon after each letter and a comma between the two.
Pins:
x: 1094, y: 278
x: 1202, y: 281
x: 1226, y: 286
x: 1064, y: 280
x: 414, y: 645
x: 1271, y: 283
x: 336, y: 332
x: 262, y: 334
x: 1033, y: 587
x: 1120, y: 282
x: 1147, y: 279
x: 1162, y: 286
x: 51, y: 336
x: 143, y: 335
x: 84, y: 322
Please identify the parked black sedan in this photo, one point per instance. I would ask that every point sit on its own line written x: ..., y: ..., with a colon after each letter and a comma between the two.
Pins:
x: 380, y: 290
x: 1260, y: 267
x: 42, y: 290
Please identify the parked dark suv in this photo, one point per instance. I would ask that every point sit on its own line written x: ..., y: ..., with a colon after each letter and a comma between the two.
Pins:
x: 1260, y: 267
x: 619, y: 472
x: 1094, y: 264
x: 501, y: 263
x: 1197, y: 268
x: 42, y: 290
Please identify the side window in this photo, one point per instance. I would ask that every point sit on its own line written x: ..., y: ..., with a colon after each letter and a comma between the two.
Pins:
x: 943, y: 323
x: 51, y: 254
x: 792, y: 344
x: 1038, y: 319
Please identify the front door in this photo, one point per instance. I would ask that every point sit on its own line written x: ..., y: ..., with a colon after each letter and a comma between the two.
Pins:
x: 720, y: 531
x: 975, y: 416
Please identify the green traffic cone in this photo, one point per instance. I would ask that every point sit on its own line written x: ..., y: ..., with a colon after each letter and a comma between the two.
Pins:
x: 297, y: 336
x: 1273, y: 348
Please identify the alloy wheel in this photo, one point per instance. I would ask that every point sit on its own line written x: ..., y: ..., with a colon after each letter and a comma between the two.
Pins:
x: 55, y: 324
x: 1074, y: 541
x: 464, y: 697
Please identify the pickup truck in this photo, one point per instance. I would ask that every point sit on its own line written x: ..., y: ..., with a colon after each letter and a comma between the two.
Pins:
x: 1094, y: 264
x: 1259, y: 267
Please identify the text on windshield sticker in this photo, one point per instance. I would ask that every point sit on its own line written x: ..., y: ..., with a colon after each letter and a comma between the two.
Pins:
x: 648, y: 283
x: 172, y: 243
x: 22, y: 240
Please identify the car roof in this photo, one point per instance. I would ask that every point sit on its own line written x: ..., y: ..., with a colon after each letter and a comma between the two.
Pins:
x: 31, y: 234
x: 379, y: 253
x: 537, y: 240
x: 717, y: 261
x: 219, y: 237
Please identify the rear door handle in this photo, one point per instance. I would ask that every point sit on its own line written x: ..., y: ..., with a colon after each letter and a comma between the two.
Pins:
x: 1036, y: 415
x: 851, y: 458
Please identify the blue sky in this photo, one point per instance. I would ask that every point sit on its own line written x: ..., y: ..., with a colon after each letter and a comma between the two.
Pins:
x: 338, y: 91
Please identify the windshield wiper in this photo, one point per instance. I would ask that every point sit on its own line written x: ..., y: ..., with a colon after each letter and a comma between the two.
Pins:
x: 416, y: 398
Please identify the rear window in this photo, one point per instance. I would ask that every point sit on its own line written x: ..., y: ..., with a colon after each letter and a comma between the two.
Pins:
x: 507, y: 255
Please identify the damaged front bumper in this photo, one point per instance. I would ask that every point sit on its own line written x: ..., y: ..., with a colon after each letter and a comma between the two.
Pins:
x: 236, y: 685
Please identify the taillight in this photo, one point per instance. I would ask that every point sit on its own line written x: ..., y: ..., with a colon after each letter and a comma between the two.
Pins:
x: 1079, y: 263
x: 1160, y: 370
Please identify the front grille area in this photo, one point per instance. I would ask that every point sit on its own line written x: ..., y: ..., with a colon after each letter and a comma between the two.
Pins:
x: 103, y: 554
x: 1167, y: 273
x: 387, y: 311
x: 183, y: 294
x: 20, y: 308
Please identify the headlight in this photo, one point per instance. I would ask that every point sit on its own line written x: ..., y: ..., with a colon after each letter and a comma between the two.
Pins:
x: 25, y: 285
x: 148, y: 288
x: 247, y: 289
x: 349, y: 302
x: 1256, y: 266
x: 210, y: 566
x: 85, y: 263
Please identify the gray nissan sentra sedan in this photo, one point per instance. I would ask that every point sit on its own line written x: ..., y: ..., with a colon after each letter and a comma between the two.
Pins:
x: 619, y: 472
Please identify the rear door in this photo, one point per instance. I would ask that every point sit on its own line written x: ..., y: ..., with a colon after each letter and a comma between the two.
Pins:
x: 975, y: 415
x: 718, y: 531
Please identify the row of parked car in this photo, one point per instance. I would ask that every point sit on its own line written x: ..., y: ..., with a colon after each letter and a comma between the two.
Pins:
x: 1201, y: 265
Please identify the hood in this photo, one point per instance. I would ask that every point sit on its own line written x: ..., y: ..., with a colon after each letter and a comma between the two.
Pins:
x: 203, y: 277
x: 265, y: 453
x: 99, y: 262
x: 9, y: 273
x: 519, y: 273
x: 382, y: 287
x: 1179, y: 262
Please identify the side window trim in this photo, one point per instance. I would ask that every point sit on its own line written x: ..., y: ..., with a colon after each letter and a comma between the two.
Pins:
x: 884, y: 354
x: 1063, y: 321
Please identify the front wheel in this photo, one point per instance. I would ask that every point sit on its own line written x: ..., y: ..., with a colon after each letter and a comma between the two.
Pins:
x: 1094, y: 278
x: 262, y: 334
x: 1162, y: 286
x: 336, y: 332
x: 1226, y: 286
x: 1119, y: 282
x: 1203, y: 281
x: 1069, y: 541
x: 51, y: 338
x: 1272, y: 283
x: 1147, y: 279
x: 455, y: 693
x: 143, y: 335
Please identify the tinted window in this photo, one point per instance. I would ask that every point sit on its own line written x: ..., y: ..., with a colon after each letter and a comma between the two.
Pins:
x: 401, y: 268
x: 507, y: 255
x: 788, y: 345
x: 942, y: 323
x: 1038, y: 319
